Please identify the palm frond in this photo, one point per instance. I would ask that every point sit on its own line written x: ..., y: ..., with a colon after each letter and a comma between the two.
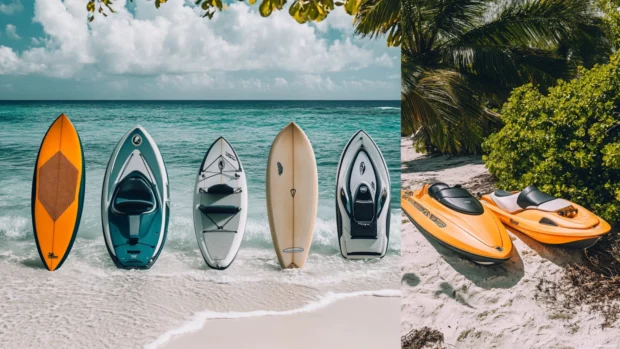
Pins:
x: 379, y: 17
x: 530, y: 23
x: 588, y: 46
x: 441, y: 112
x: 505, y: 67
x: 449, y: 19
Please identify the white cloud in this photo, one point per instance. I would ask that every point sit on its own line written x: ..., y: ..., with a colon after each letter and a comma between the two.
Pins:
x: 364, y: 84
x: 316, y: 83
x: 11, y: 8
x: 11, y: 32
x: 215, y: 81
x: 36, y: 41
x: 8, y: 60
x: 228, y: 82
x: 118, y: 85
x: 174, y: 40
x: 385, y: 60
x: 188, y: 81
x: 337, y: 19
x: 281, y: 82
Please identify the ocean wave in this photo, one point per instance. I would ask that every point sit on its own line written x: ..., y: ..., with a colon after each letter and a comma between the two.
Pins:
x: 15, y: 227
x: 388, y: 108
x: 181, y: 232
x: 258, y: 234
x: 325, y: 239
x: 199, y: 319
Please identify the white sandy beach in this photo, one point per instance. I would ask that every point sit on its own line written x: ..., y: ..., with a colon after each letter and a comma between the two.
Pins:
x: 485, y: 307
x: 351, y: 322
x: 93, y: 307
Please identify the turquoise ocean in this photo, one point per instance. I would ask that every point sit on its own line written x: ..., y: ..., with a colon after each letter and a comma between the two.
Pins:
x: 152, y: 302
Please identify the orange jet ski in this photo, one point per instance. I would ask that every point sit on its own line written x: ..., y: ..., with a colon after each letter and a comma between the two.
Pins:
x: 458, y: 220
x: 546, y: 218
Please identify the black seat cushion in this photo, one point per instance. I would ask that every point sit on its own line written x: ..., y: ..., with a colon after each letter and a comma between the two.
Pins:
x: 223, y: 189
x: 502, y: 193
x: 457, y: 199
x: 219, y: 209
x: 364, y: 211
x: 363, y: 205
x: 133, y: 207
x: 435, y: 188
x: 531, y: 196
x: 133, y: 195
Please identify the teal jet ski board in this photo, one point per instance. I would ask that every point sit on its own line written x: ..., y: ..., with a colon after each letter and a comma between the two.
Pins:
x: 135, y: 204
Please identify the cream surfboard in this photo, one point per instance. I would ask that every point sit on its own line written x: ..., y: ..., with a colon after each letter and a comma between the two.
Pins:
x: 292, y: 195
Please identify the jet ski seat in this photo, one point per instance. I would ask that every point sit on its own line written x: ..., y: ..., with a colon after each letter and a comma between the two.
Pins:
x: 363, y: 206
x: 221, y: 189
x: 456, y: 198
x: 133, y: 197
x: 506, y: 201
x: 436, y: 188
x: 529, y: 198
x: 364, y: 223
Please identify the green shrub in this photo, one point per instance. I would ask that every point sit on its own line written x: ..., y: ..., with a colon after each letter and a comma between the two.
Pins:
x: 566, y: 142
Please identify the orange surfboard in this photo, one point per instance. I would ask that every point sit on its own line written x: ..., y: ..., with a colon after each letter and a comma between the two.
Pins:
x: 58, y: 192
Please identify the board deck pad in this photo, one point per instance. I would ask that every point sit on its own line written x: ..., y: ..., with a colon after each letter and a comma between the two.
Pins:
x: 292, y: 195
x: 220, y: 205
x: 58, y: 192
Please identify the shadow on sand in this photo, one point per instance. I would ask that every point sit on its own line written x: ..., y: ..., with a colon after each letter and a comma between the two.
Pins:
x: 503, y: 275
x: 451, y: 292
x: 559, y: 256
x: 430, y: 163
x: 34, y: 263
x: 410, y: 279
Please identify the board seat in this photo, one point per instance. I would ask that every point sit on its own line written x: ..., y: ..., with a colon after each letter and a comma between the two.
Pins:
x: 220, y: 189
x: 219, y: 209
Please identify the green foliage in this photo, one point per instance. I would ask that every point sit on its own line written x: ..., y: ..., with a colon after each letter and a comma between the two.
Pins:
x: 307, y: 11
x: 91, y: 6
x: 301, y: 10
x: 566, y: 142
x: 611, y: 17
x: 461, y: 59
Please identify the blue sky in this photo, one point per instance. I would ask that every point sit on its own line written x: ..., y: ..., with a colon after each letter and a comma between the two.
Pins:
x: 48, y: 50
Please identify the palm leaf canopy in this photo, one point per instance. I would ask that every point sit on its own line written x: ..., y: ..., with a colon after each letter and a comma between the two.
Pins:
x: 461, y: 58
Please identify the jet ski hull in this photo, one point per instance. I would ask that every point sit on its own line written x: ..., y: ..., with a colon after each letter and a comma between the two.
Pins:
x: 135, y: 204
x: 362, y: 199
x: 579, y: 232
x: 480, y: 237
x: 473, y: 257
